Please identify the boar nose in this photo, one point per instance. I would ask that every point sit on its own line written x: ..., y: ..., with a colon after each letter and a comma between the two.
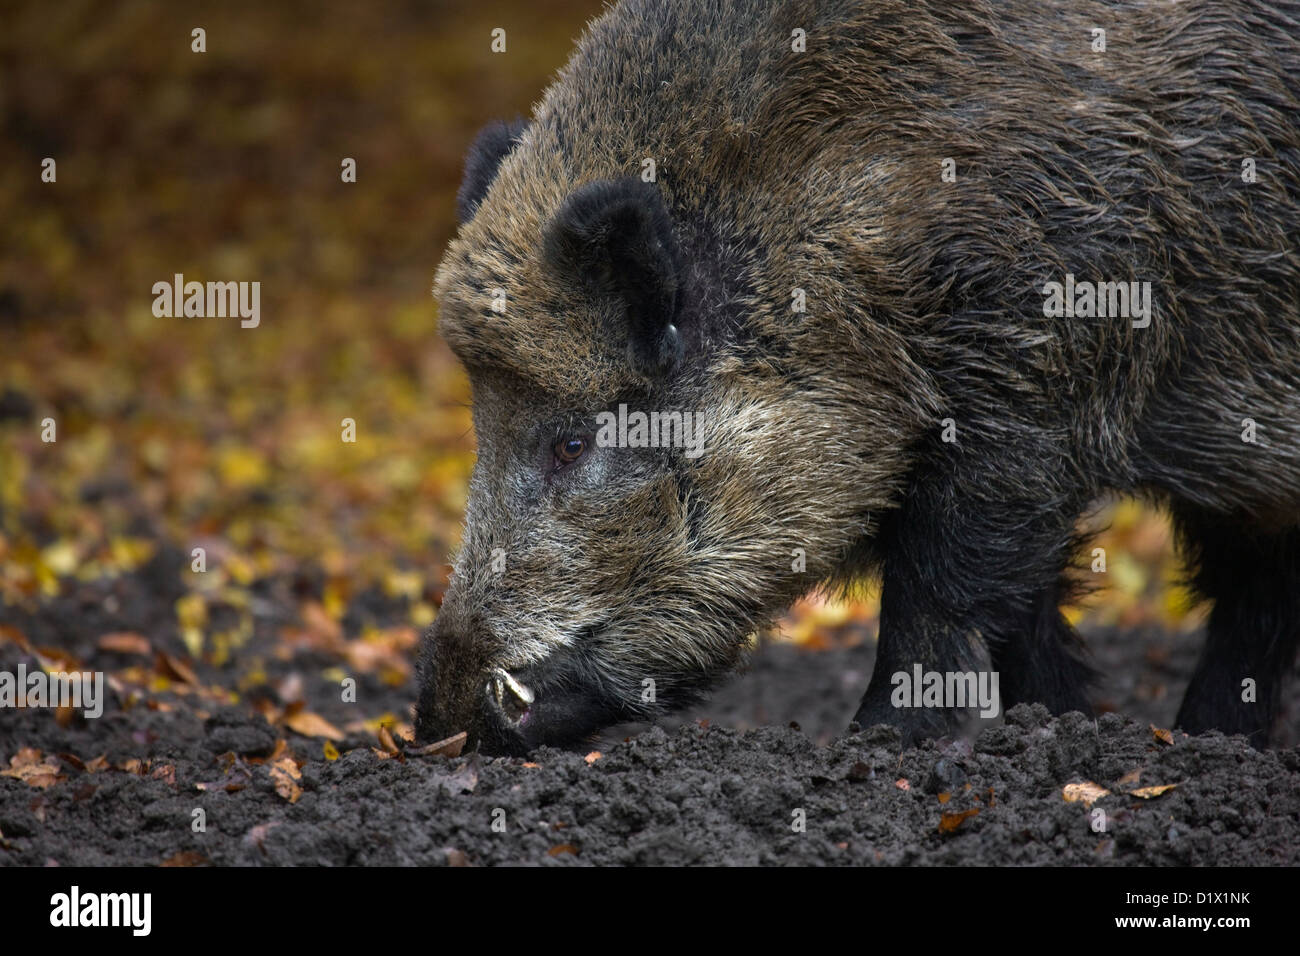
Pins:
x: 509, y: 697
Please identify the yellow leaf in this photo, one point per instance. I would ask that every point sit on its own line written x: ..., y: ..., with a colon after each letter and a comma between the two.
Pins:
x: 1146, y: 793
x: 1086, y: 793
x: 242, y: 467
x: 192, y: 610
x: 61, y: 558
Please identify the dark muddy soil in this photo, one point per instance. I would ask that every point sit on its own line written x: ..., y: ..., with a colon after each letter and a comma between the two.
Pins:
x: 732, y: 783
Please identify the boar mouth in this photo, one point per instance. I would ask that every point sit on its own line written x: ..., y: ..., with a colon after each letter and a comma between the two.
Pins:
x: 549, y: 704
x: 511, y: 699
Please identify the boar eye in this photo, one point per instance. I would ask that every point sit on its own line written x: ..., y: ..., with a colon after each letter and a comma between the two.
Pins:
x: 569, y: 450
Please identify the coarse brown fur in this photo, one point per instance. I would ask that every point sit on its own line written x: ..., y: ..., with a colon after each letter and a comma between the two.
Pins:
x: 641, y: 569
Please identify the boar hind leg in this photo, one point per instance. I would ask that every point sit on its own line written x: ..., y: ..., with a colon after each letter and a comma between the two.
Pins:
x: 968, y: 561
x: 1042, y: 663
x: 1254, y: 580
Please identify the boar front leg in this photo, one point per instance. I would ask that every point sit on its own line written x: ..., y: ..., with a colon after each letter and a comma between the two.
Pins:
x: 971, y: 568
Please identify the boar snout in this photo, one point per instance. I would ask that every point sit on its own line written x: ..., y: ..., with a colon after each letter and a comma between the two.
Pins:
x: 461, y: 689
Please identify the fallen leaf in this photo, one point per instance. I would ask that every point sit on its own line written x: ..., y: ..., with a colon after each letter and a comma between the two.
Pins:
x: 16, y: 636
x: 456, y: 857
x: 1086, y: 793
x: 286, y: 776
x: 124, y: 642
x: 98, y: 764
x: 321, y: 625
x: 331, y: 752
x: 1163, y: 736
x: 949, y: 822
x: 592, y: 757
x: 76, y: 762
x: 313, y: 725
x: 902, y: 784
x: 1146, y: 793
x: 185, y: 858
x: 386, y: 740
x: 945, y: 797
x: 562, y: 849
x: 33, y: 769
x: 171, y: 666
x: 450, y: 747
x: 532, y: 766
x: 1130, y: 778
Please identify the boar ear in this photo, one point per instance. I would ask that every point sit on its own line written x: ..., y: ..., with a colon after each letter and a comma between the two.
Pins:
x: 493, y: 144
x: 616, y: 238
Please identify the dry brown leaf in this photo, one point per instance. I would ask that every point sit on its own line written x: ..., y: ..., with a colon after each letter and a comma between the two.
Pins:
x: 169, y: 665
x: 286, y: 776
x: 450, y: 747
x: 386, y: 740
x: 902, y: 784
x: 313, y: 725
x: 98, y: 764
x: 185, y: 858
x: 1086, y: 793
x: 57, y: 659
x: 945, y: 797
x: 532, y: 766
x: 456, y: 857
x: 76, y: 762
x: 42, y: 780
x: 949, y: 822
x: 1130, y: 778
x: 562, y: 849
x: 124, y: 642
x: 15, y: 636
x: 1146, y: 793
x: 33, y: 769
x: 593, y: 757
x: 1163, y: 736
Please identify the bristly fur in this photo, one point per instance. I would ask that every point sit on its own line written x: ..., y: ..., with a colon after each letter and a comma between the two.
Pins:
x: 819, y: 171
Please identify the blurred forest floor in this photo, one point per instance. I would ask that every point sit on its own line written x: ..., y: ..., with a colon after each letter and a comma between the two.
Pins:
x: 175, y: 434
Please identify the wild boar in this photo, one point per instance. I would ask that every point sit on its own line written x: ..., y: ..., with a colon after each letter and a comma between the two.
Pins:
x: 928, y: 278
